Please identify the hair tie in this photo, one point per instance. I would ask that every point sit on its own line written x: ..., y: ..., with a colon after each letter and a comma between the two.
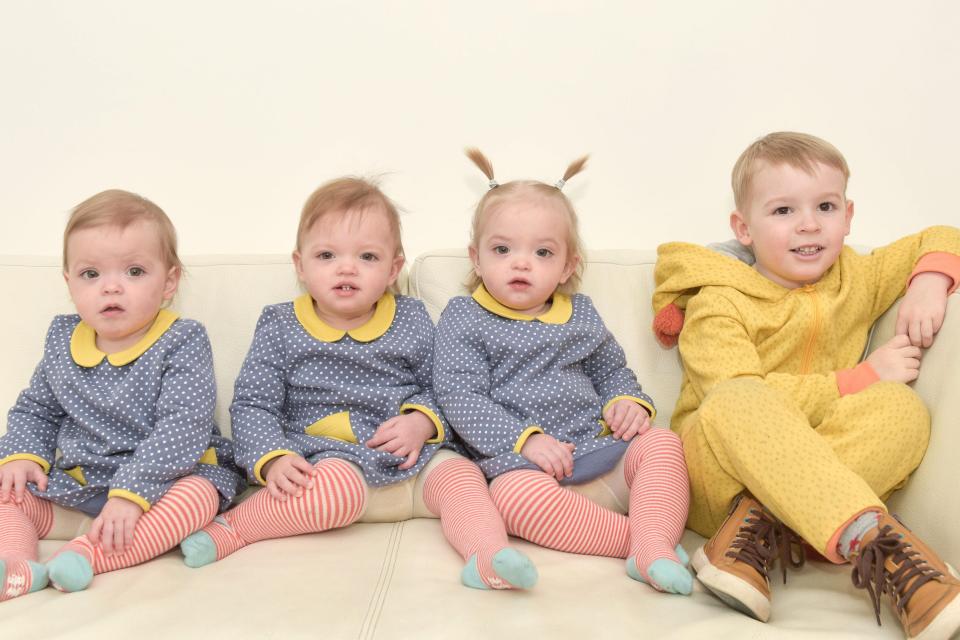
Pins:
x: 493, y: 184
x: 559, y: 183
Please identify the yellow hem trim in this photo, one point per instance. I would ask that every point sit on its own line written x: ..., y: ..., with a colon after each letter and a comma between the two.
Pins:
x: 265, y: 459
x: 560, y: 311
x: 209, y: 457
x: 369, y: 331
x: 28, y: 456
x: 529, y: 431
x: 643, y: 403
x: 407, y: 408
x: 131, y: 496
x: 83, y: 342
x: 77, y: 474
x: 336, y: 426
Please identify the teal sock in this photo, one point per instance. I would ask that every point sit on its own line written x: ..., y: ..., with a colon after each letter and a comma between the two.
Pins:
x: 666, y: 574
x: 198, y: 549
x: 69, y: 571
x: 508, y: 563
x: 38, y: 578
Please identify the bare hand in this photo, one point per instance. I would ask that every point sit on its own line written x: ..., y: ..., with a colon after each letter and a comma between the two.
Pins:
x: 288, y: 475
x: 14, y: 477
x: 551, y: 455
x: 897, y: 360
x: 404, y: 436
x: 924, y: 306
x: 626, y: 418
x: 113, y: 528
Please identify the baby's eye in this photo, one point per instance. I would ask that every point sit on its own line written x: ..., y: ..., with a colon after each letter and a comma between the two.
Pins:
x: 827, y: 206
x: 325, y: 255
x: 369, y: 257
x: 781, y: 211
x: 89, y: 274
x: 544, y: 253
x: 502, y: 249
x: 136, y: 272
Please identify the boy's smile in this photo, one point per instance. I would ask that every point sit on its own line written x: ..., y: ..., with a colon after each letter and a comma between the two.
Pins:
x: 795, y: 221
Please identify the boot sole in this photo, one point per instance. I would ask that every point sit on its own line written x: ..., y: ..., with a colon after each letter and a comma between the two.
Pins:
x: 733, y: 591
x: 945, y: 625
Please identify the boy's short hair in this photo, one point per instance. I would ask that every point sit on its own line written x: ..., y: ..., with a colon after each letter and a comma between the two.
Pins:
x: 119, y: 208
x: 799, y: 150
x: 348, y: 194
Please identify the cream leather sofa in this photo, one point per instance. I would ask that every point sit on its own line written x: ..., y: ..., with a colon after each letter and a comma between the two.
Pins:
x: 401, y: 580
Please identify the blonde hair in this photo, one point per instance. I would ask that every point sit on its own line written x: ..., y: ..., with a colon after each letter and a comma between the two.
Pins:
x: 348, y: 194
x: 799, y: 150
x: 121, y: 209
x: 518, y: 188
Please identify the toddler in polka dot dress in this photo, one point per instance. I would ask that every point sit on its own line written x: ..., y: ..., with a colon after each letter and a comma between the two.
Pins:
x: 334, y: 411
x: 538, y: 388
x: 125, y: 392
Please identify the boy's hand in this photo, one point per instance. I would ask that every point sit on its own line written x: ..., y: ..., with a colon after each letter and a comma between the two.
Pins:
x: 14, y: 477
x: 626, y: 418
x: 404, y: 436
x: 113, y: 528
x: 551, y: 455
x: 897, y: 360
x: 288, y: 475
x: 924, y: 305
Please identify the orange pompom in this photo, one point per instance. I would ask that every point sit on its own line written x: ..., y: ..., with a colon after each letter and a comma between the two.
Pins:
x: 667, y: 324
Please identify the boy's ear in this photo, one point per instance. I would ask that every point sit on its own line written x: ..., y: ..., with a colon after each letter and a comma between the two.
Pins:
x: 173, y: 281
x: 297, y: 264
x: 848, y: 214
x: 738, y: 224
x: 395, y: 269
x: 570, y: 267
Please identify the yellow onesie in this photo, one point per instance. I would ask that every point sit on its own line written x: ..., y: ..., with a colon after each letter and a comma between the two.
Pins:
x: 772, y: 399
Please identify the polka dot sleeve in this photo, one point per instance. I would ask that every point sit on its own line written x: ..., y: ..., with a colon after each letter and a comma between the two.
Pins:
x: 184, y: 413
x: 257, y: 417
x: 421, y: 364
x: 33, y: 422
x: 611, y: 377
x: 463, y: 385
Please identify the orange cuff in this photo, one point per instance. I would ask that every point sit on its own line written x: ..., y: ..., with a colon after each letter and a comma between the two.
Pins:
x: 856, y: 379
x: 939, y: 262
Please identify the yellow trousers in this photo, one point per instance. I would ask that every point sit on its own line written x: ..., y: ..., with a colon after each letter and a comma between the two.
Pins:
x: 815, y: 478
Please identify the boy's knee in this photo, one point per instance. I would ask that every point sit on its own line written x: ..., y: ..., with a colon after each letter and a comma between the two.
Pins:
x: 732, y: 402
x: 898, y: 404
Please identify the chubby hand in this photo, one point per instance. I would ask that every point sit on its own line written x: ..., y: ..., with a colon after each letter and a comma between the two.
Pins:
x: 14, y: 477
x: 113, y: 528
x: 403, y: 436
x: 551, y: 455
x: 626, y: 419
x: 921, y: 313
x: 897, y: 360
x: 288, y: 475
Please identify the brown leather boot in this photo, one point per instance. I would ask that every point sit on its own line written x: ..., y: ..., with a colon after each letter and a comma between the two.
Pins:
x: 735, y: 562
x: 923, y: 588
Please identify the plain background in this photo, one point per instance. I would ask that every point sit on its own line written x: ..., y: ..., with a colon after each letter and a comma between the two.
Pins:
x: 229, y: 113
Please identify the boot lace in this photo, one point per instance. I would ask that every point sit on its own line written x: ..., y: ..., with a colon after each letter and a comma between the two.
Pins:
x: 762, y: 539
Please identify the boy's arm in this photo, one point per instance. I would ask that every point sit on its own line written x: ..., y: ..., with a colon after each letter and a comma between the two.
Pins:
x: 422, y: 365
x: 182, y: 430
x: 33, y: 424
x: 461, y: 380
x: 715, y: 347
x: 256, y: 413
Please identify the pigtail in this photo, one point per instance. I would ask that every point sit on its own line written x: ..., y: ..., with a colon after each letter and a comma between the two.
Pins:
x: 573, y: 169
x: 476, y: 156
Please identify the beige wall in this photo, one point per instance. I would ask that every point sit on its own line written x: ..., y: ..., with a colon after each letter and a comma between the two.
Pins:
x: 229, y: 113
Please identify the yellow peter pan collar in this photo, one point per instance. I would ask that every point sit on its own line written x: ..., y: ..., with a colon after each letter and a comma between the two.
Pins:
x: 558, y: 313
x: 369, y: 331
x: 83, y: 342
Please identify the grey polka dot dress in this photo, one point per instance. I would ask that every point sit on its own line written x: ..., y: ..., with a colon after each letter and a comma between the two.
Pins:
x: 309, y: 389
x: 501, y: 377
x: 127, y: 424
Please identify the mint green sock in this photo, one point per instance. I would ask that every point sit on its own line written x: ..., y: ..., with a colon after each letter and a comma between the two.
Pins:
x: 69, y: 571
x: 666, y: 574
x: 509, y: 564
x: 198, y: 549
x: 38, y: 576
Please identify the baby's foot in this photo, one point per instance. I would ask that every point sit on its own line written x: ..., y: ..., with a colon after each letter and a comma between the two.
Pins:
x: 70, y: 571
x: 665, y: 574
x: 508, y: 569
x: 214, y: 542
x: 21, y: 577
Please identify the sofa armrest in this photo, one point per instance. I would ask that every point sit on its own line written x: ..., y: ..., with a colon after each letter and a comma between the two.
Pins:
x: 930, y: 502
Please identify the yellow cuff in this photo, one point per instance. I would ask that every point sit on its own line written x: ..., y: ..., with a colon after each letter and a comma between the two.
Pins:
x: 529, y: 431
x: 407, y: 408
x: 265, y: 459
x: 643, y: 403
x: 28, y: 456
x: 131, y: 496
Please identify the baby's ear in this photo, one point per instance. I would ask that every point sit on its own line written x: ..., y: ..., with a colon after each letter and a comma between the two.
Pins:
x: 738, y: 224
x: 173, y: 281
x: 396, y: 267
x: 570, y: 268
x: 474, y: 260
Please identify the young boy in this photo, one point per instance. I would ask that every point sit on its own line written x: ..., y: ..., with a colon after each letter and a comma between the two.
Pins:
x: 782, y: 430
